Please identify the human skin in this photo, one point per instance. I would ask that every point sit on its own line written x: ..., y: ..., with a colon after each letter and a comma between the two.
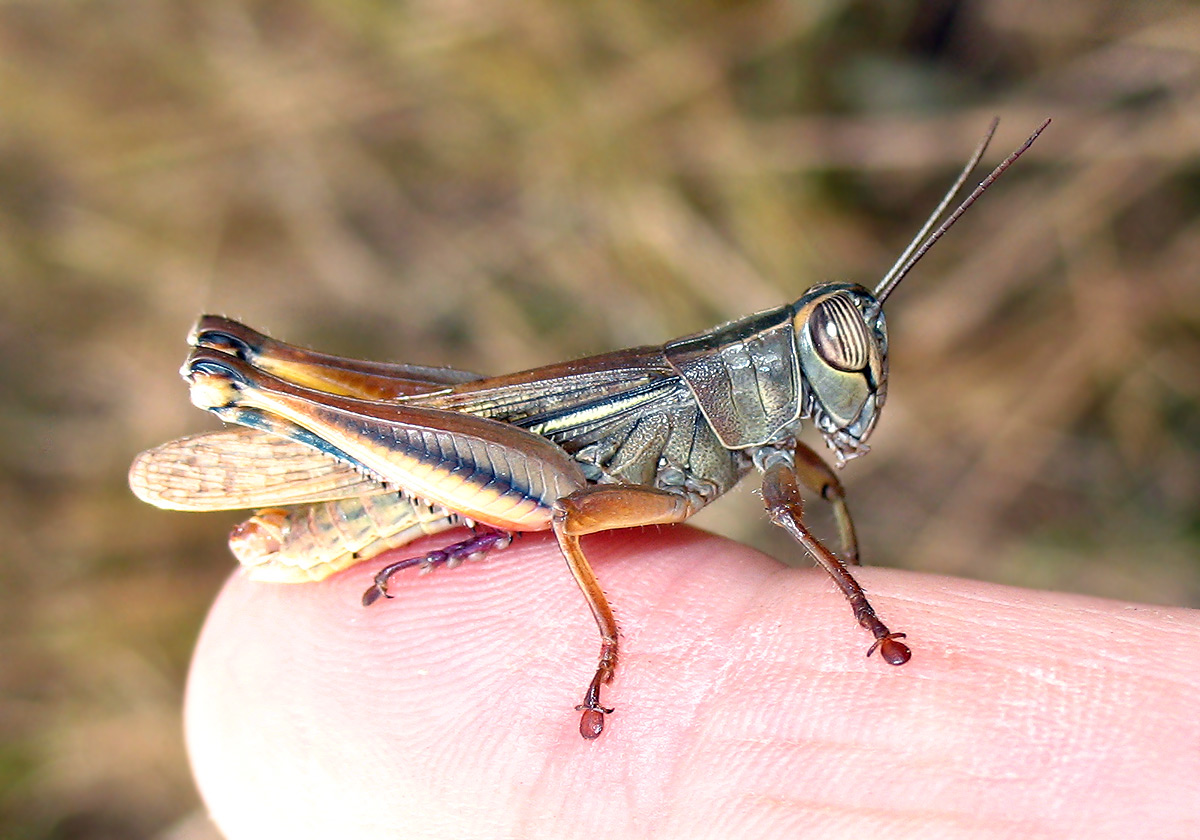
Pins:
x: 745, y: 707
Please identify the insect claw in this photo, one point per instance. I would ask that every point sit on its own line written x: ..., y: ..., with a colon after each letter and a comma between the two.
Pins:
x: 372, y: 594
x: 891, y: 649
x: 591, y: 722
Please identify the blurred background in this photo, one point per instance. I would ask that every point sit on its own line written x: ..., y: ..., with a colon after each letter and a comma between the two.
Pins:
x: 498, y: 185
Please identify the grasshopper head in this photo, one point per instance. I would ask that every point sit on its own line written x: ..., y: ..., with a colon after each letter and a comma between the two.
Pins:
x: 841, y: 337
x: 841, y: 341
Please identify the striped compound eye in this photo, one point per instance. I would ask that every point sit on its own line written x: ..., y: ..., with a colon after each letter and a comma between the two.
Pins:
x: 839, y: 333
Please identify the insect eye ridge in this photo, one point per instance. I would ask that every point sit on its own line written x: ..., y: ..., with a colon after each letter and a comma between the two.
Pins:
x: 839, y: 334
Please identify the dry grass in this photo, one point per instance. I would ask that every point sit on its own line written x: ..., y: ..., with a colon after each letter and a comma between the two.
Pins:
x: 499, y: 185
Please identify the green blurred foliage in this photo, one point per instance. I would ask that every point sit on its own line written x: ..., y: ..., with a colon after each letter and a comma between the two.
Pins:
x: 499, y: 185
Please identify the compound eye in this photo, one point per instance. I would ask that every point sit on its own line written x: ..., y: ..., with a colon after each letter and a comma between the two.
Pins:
x: 840, y: 334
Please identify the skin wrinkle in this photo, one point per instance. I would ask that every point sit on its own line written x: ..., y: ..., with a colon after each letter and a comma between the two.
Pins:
x: 1016, y: 616
x: 533, y: 810
x: 673, y: 785
x: 496, y: 597
x: 923, y: 823
x: 767, y: 597
x: 1137, y: 616
x: 770, y: 586
x: 665, y: 602
x: 803, y: 810
x: 1023, y: 675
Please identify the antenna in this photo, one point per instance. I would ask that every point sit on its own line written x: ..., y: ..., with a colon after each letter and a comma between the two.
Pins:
x: 913, y: 253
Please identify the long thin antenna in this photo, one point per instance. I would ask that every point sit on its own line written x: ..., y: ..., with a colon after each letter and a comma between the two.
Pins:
x: 913, y: 253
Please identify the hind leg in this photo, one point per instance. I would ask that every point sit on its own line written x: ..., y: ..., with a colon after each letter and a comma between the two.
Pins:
x: 482, y: 541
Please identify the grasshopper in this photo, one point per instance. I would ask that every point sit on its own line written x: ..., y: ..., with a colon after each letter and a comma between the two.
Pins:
x: 351, y: 458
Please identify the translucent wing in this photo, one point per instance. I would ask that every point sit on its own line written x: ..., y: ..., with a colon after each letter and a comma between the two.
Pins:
x: 239, y: 468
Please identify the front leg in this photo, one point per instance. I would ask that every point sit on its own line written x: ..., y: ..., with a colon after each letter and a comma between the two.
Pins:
x: 604, y: 508
x: 785, y: 506
x: 820, y: 478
